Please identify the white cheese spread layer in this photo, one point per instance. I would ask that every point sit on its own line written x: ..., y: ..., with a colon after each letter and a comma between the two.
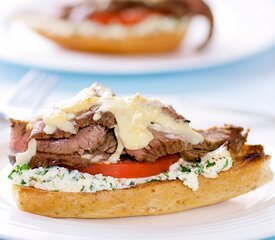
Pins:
x: 150, y: 26
x: 64, y: 180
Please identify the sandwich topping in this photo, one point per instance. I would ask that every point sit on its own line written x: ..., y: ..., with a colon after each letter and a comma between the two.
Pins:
x: 102, y: 137
x: 120, y: 19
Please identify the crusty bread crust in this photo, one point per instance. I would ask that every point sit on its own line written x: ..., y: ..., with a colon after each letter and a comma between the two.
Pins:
x: 155, y: 43
x: 150, y: 198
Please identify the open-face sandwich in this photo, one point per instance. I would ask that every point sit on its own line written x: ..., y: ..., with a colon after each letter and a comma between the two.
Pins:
x: 120, y: 26
x: 98, y: 155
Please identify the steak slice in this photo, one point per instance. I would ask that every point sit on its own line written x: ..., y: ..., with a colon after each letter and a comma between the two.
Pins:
x: 87, y: 139
x: 104, y: 148
x: 82, y: 120
x: 18, y: 138
x: 94, y: 140
x: 160, y: 146
x: 163, y: 145
x: 169, y: 110
x: 70, y: 161
x: 74, y: 160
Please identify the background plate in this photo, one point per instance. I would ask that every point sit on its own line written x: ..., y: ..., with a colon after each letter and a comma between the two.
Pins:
x: 243, y: 28
x: 250, y: 216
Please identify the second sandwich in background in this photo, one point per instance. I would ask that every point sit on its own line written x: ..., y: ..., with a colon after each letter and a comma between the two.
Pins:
x: 120, y: 26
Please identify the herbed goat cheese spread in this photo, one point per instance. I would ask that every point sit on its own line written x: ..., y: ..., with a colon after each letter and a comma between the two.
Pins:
x: 62, y: 27
x: 61, y: 179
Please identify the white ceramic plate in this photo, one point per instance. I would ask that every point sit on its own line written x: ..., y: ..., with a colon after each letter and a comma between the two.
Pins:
x: 243, y: 28
x: 251, y: 216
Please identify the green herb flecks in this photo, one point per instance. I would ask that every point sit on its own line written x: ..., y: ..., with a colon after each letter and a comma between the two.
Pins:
x: 78, y: 176
x: 132, y: 183
x: 23, y: 182
x: 152, y: 180
x: 33, y: 179
x: 226, y: 164
x: 112, y: 186
x: 42, y: 171
x: 185, y: 169
x: 49, y: 179
x: 210, y: 164
x: 61, y: 176
x: 19, y: 170
x: 199, y: 169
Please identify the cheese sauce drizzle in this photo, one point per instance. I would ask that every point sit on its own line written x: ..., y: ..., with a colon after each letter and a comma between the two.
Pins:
x: 134, y: 116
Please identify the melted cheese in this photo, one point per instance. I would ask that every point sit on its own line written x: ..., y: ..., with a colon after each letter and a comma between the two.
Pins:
x: 59, y: 116
x: 135, y: 115
x: 116, y: 155
x: 25, y: 157
x: 56, y: 118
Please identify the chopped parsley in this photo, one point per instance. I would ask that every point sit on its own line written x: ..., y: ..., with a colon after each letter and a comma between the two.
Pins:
x: 18, y: 169
x: 82, y: 176
x: 76, y: 176
x: 49, y: 179
x: 185, y: 169
x: 42, y: 171
x: 152, y: 180
x: 132, y: 183
x: 81, y: 190
x: 23, y: 182
x: 199, y: 169
x: 33, y: 179
x: 225, y: 165
x: 112, y: 186
x: 61, y: 176
x: 210, y: 164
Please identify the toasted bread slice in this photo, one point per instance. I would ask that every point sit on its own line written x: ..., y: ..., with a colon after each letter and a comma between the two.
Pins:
x: 250, y: 170
x: 154, y: 43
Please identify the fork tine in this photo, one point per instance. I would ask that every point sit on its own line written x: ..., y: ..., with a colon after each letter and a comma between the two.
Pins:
x: 45, y: 88
x: 28, y: 94
x: 33, y: 94
x: 29, y: 88
x: 25, y: 81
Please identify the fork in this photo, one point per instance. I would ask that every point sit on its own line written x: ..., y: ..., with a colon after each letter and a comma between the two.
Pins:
x: 24, y: 99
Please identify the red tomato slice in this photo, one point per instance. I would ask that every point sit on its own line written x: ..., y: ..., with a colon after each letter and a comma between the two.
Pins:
x: 127, y: 16
x: 104, y: 17
x: 134, y: 15
x: 130, y: 169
